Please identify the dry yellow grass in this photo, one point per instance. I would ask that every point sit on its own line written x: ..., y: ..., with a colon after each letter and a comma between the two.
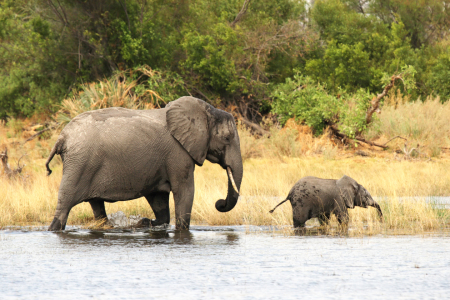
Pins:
x: 265, y: 182
x: 425, y: 124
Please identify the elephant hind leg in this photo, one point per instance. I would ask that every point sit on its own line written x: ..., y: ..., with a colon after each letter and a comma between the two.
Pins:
x: 98, y: 207
x: 66, y: 201
x: 301, y: 216
x: 60, y: 220
x: 159, y: 203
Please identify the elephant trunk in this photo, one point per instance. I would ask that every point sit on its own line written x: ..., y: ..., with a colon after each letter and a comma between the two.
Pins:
x: 370, y: 202
x: 233, y: 162
x: 377, y: 206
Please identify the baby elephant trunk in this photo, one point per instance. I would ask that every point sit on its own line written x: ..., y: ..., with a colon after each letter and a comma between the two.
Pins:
x: 373, y: 203
x: 377, y: 206
x: 367, y: 200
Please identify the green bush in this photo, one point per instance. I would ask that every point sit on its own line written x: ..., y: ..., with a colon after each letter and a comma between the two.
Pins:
x: 307, y: 101
x: 440, y: 76
x: 211, y: 57
x: 310, y: 102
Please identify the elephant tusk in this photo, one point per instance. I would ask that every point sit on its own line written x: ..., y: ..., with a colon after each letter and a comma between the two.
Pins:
x: 230, y: 175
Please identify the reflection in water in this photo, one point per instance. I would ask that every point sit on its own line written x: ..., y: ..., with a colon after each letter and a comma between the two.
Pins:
x: 159, y: 234
x: 341, y: 231
x: 133, y: 237
x: 232, y: 238
x: 182, y: 237
x: 125, y: 237
x: 220, y: 263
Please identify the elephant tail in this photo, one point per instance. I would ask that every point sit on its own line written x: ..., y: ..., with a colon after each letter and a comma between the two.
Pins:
x: 271, y: 211
x: 54, y: 151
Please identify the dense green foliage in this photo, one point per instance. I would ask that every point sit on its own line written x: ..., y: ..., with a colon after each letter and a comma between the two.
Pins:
x: 341, y: 49
x: 308, y: 101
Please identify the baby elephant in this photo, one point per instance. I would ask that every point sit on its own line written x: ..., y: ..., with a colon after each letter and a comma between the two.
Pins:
x: 313, y: 197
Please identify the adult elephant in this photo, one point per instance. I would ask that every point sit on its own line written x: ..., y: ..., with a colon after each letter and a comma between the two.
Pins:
x: 118, y: 154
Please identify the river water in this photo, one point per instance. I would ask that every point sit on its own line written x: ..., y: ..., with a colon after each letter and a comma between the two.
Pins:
x: 220, y: 263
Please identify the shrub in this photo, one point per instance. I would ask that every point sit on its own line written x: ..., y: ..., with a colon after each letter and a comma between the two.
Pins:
x: 309, y: 102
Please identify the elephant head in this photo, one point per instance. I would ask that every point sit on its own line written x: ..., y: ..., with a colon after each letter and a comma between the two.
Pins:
x: 208, y: 133
x: 355, y: 194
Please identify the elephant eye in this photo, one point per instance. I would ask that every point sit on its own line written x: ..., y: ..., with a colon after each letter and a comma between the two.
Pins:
x: 227, y: 137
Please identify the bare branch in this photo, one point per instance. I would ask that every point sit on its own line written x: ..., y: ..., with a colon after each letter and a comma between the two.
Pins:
x: 41, y: 132
x: 241, y: 14
x: 56, y: 11
x: 397, y: 137
x: 375, y: 103
x: 124, y: 5
x: 371, y: 143
x: 343, y: 137
x: 64, y: 13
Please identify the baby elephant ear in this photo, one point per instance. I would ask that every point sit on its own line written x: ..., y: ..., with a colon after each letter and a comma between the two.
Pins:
x: 347, y: 188
x: 187, y: 121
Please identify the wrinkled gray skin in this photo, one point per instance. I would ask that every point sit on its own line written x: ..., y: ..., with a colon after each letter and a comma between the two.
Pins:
x: 313, y: 197
x: 118, y: 154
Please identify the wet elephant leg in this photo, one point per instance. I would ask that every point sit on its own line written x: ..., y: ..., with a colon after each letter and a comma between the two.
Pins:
x: 183, y: 196
x: 300, y: 216
x: 159, y: 203
x: 62, y: 213
x: 98, y: 206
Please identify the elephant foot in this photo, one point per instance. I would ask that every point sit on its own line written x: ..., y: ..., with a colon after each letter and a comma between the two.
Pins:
x: 104, y: 223
x: 56, y: 225
x: 143, y: 223
x: 301, y: 231
x: 156, y: 222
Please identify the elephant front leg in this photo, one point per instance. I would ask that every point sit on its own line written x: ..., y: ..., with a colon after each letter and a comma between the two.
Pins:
x: 342, y: 216
x: 324, y: 218
x: 159, y: 203
x: 183, y: 197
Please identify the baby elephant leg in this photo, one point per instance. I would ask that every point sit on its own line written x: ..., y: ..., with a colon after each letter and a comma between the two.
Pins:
x: 342, y: 217
x: 324, y: 218
x: 300, y: 216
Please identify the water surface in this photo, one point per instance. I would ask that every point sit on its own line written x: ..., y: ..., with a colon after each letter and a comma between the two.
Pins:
x: 220, y: 263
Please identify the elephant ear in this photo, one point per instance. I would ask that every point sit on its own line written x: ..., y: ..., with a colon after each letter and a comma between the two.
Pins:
x: 348, y: 187
x: 187, y: 121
